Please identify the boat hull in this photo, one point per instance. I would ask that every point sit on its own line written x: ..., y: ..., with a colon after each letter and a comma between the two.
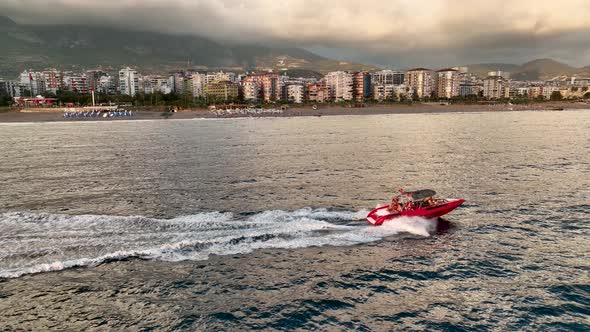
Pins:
x: 380, y: 215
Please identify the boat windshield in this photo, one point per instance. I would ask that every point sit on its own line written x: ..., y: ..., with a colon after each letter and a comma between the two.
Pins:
x: 422, y: 194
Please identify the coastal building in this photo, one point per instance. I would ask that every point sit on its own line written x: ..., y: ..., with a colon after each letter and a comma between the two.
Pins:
x: 504, y: 74
x: 53, y: 80
x: 447, y: 83
x: 35, y: 101
x: 317, y: 92
x: 549, y: 90
x: 469, y: 89
x: 12, y: 88
x: 493, y: 87
x: 391, y: 92
x: 222, y: 91
x: 271, y: 90
x: 196, y: 84
x: 106, y: 84
x: 35, y: 81
x: 101, y: 81
x: 523, y: 91
x: 93, y: 78
x: 211, y: 78
x: 361, y: 86
x: 252, y: 89
x: 421, y: 80
x: 510, y: 92
x: 78, y: 84
x: 580, y: 82
x: 383, y: 92
x: 535, y: 91
x: 128, y: 81
x: 388, y: 77
x: 284, y: 82
x: 341, y: 85
x: 268, y: 83
x: 295, y: 93
x: 220, y: 76
x: 155, y: 83
x: 178, y: 81
x: 462, y: 70
x: 146, y: 84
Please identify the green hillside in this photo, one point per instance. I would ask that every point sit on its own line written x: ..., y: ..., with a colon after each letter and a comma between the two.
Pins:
x: 74, y: 47
x: 483, y: 69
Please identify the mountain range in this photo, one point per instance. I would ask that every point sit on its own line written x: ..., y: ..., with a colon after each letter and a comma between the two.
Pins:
x: 540, y: 69
x: 80, y: 47
x: 77, y: 47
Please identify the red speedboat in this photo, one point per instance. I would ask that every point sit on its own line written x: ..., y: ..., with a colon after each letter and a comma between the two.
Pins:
x: 382, y: 214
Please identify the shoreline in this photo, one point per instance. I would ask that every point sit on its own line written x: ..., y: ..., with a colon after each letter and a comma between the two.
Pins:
x: 51, y: 115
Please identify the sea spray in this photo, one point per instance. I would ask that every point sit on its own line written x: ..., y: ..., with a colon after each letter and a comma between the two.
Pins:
x: 34, y: 243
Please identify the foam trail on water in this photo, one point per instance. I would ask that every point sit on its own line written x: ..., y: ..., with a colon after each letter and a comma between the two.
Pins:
x: 33, y: 243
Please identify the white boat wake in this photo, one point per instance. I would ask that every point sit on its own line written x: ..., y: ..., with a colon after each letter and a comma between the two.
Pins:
x: 34, y: 243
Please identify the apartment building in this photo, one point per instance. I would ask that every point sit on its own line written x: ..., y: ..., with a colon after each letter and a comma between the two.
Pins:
x: 317, y: 92
x: 422, y: 81
x: 493, y: 87
x: 361, y: 86
x: 223, y: 90
x: 295, y: 93
x: 388, y: 77
x: 447, y: 83
x: 341, y: 86
x: 128, y: 81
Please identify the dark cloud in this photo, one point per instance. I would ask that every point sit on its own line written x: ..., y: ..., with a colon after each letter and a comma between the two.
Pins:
x: 387, y: 32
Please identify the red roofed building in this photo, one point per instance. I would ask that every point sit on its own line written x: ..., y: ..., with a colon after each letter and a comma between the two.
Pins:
x: 37, y: 101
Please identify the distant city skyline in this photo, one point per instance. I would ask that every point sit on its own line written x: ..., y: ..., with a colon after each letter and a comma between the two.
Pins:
x: 417, y: 84
x: 393, y: 33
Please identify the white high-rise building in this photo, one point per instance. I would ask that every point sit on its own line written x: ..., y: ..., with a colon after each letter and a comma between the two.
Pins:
x: 295, y: 93
x: 12, y: 88
x: 196, y: 84
x: 106, y: 84
x: 383, y: 92
x: 252, y: 90
x: 34, y: 81
x: 447, y: 83
x: 154, y: 83
x: 391, y: 92
x: 220, y: 76
x: 128, y: 81
x: 421, y: 80
x: 493, y: 87
x: 387, y: 77
x: 549, y: 90
x: 341, y: 85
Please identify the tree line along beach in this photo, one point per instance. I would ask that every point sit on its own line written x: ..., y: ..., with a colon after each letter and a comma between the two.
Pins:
x: 154, y: 113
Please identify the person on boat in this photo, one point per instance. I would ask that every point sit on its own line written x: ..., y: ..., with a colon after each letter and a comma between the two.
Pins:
x: 430, y: 201
x: 408, y: 206
x: 405, y: 200
x: 394, y: 206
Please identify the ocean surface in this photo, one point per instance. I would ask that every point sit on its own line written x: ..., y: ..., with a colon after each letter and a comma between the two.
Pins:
x: 258, y: 224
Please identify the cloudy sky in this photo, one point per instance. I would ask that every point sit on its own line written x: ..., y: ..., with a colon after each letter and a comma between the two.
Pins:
x: 385, y: 32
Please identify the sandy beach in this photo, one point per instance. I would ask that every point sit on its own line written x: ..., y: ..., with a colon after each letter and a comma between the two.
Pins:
x: 56, y: 114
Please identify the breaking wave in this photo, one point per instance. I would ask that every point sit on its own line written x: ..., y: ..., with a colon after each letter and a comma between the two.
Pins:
x: 34, y: 243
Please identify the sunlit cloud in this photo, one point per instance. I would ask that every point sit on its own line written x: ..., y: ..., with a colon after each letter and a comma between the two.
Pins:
x: 378, y: 30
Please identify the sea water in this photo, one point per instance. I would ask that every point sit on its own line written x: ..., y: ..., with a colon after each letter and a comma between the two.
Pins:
x: 244, y: 224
